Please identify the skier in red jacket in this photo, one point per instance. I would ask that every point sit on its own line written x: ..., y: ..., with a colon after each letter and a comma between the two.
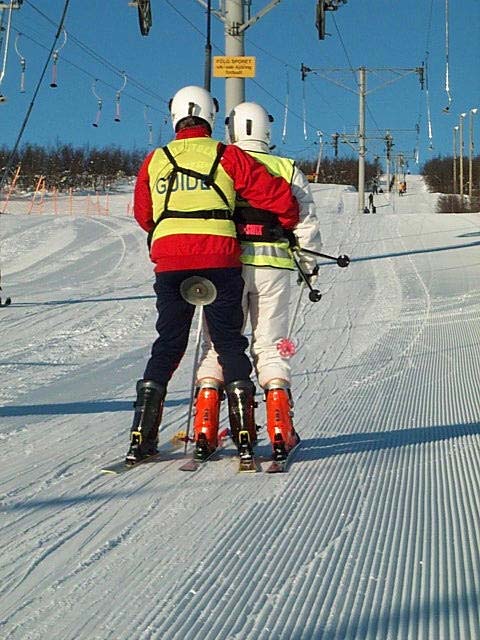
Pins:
x: 184, y: 198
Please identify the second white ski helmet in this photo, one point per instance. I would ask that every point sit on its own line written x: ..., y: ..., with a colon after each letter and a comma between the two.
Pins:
x: 249, y: 121
x: 193, y: 101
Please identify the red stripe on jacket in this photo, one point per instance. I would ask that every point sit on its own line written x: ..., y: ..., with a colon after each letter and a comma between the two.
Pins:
x: 251, y: 181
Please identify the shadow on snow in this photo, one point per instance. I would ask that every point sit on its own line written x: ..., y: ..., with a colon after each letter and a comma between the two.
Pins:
x: 318, y: 448
x: 54, y: 303
x: 81, y: 407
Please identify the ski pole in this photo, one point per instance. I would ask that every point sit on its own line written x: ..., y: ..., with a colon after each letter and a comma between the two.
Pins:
x: 314, y: 295
x: 194, y: 376
x: 7, y: 300
x: 342, y: 260
x: 198, y: 291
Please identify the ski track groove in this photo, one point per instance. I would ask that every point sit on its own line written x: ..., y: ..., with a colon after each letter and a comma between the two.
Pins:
x: 370, y: 536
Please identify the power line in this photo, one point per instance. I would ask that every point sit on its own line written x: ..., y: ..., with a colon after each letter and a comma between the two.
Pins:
x: 35, y: 93
x: 101, y: 59
x: 88, y: 73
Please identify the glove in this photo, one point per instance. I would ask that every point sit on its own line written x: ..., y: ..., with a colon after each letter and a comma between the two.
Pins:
x: 291, y: 237
x: 310, y: 268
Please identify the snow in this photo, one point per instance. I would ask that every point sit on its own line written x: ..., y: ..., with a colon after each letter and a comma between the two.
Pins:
x: 373, y: 533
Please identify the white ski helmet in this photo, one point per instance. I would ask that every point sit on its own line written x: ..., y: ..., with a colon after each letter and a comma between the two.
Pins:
x: 193, y: 101
x: 249, y: 121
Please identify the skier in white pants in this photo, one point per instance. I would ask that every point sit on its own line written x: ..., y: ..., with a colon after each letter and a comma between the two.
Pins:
x: 267, y: 271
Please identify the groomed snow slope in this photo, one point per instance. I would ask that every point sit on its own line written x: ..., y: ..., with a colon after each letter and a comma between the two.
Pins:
x: 373, y: 534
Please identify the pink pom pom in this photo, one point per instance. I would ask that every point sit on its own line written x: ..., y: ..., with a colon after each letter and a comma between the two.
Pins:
x: 286, y: 348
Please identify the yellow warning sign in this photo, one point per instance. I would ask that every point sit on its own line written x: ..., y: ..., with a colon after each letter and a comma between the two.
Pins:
x: 234, y: 66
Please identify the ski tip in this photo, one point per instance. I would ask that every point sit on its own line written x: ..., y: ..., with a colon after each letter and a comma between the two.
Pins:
x: 276, y: 467
x: 190, y: 465
x: 116, y: 468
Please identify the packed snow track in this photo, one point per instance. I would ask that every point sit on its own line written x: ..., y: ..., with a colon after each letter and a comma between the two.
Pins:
x: 373, y: 532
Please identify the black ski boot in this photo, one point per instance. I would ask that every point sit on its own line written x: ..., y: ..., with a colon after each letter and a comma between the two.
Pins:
x: 241, y: 405
x: 146, y: 420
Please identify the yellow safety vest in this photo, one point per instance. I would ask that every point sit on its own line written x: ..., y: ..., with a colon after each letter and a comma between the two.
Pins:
x: 184, y: 200
x: 275, y: 253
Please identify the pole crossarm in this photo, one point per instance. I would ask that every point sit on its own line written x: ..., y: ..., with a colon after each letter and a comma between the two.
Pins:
x: 325, y: 71
x: 271, y: 5
x: 217, y: 14
x: 240, y: 28
x: 349, y: 138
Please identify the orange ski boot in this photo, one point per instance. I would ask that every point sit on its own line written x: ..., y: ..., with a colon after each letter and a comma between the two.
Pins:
x: 279, y: 418
x: 207, y: 414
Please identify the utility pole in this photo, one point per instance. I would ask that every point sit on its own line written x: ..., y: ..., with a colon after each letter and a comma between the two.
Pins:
x: 389, y: 145
x: 471, y: 145
x: 460, y: 154
x: 208, y: 49
x: 320, y: 153
x: 362, y: 92
x: 235, y: 16
x: 455, y: 132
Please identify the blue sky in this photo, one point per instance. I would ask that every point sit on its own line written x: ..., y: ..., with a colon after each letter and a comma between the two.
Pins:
x: 103, y: 40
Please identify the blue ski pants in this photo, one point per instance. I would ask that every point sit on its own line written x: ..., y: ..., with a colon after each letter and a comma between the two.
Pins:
x: 224, y: 319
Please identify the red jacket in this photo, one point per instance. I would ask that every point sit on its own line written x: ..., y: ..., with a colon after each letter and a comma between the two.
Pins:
x: 251, y: 181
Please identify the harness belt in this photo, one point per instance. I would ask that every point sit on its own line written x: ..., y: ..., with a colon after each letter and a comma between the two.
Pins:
x: 257, y: 225
x: 258, y: 232
x: 209, y: 214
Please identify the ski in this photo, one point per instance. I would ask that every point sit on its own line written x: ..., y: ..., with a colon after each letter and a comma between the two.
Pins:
x: 194, y: 465
x: 249, y: 465
x: 121, y: 466
x: 281, y: 466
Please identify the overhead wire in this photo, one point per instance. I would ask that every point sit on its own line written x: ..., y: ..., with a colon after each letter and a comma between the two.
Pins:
x: 13, y: 152
x: 101, y: 59
x: 447, y: 56
x: 138, y: 85
x: 135, y: 83
x: 427, y: 89
x: 7, y: 40
x: 34, y: 97
x: 255, y: 82
x: 89, y: 73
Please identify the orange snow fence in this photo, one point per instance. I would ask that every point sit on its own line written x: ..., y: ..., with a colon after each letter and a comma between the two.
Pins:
x: 54, y: 202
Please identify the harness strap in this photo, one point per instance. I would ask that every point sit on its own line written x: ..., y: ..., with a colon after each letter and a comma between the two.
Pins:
x: 251, y: 214
x: 207, y: 179
x: 207, y: 214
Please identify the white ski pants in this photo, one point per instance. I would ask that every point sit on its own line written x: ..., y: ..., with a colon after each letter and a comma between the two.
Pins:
x: 266, y: 299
